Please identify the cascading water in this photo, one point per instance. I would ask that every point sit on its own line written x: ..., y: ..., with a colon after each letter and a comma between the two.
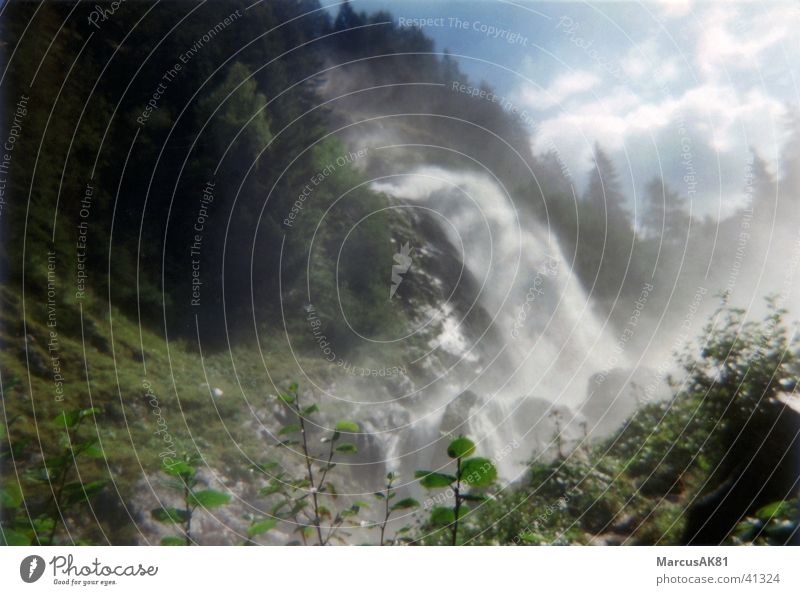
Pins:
x: 533, y: 362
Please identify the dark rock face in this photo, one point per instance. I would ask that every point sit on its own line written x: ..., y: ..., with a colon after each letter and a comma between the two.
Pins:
x: 758, y: 473
x: 457, y: 414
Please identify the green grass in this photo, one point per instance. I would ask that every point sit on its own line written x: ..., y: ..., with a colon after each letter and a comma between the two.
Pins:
x: 180, y: 379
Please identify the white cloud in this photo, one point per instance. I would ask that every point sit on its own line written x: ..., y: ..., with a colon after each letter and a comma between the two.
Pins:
x: 712, y: 72
x: 646, y: 60
x: 711, y: 115
x: 675, y: 9
x: 562, y: 88
x: 728, y: 39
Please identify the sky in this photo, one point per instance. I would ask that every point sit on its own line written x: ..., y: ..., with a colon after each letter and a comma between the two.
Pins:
x: 685, y: 90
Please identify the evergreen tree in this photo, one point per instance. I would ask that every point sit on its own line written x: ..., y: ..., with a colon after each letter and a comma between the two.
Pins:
x: 604, y: 232
x: 664, y: 215
x: 603, y: 192
x: 347, y: 18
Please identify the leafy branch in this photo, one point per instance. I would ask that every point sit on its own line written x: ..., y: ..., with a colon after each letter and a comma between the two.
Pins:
x: 475, y: 472
x: 386, y: 496
x: 183, y: 474
x: 303, y: 499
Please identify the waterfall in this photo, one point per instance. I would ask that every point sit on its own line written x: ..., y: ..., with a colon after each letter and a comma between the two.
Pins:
x: 544, y: 342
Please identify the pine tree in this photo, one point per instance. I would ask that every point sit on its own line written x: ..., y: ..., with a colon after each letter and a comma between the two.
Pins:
x: 347, y: 18
x: 603, y: 192
x: 665, y: 214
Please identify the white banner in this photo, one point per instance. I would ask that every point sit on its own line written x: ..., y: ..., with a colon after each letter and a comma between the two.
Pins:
x: 390, y: 570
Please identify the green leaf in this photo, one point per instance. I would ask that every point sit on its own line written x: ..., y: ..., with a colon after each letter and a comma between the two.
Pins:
x: 75, y: 492
x: 309, y: 410
x: 347, y: 447
x: 293, y: 387
x: 261, y: 527
x: 68, y: 418
x: 474, y: 497
x: 71, y: 418
x: 89, y: 411
x: 478, y: 472
x: 279, y: 506
x: 442, y: 516
x: 775, y: 509
x: 173, y: 541
x: 350, y: 512
x: 272, y: 488
x: 347, y: 426
x: 290, y: 429
x: 170, y: 515
x: 209, y: 498
x: 94, y: 487
x: 297, y: 506
x: 10, y: 495
x: 331, y: 489
x: 12, y: 537
x: 460, y: 448
x: 92, y: 450
x: 405, y: 504
x: 179, y: 469
x: 286, y: 398
x: 43, y: 525
x: 431, y: 479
